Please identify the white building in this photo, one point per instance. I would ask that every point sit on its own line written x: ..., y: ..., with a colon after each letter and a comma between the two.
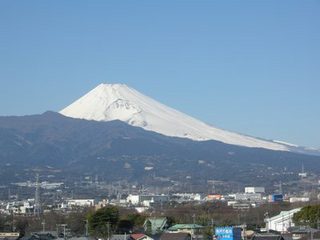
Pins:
x: 133, y: 199
x: 249, y: 197
x: 146, y: 200
x: 254, y: 190
x: 186, y: 197
x: 281, y: 222
x: 80, y: 203
x: 299, y: 199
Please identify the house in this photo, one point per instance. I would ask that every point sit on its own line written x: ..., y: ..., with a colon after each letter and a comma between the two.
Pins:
x: 282, y: 221
x: 120, y: 237
x: 304, y: 232
x: 155, y: 225
x: 140, y: 236
x: 175, y: 236
x: 267, y: 237
x: 192, y: 229
x: 9, y: 235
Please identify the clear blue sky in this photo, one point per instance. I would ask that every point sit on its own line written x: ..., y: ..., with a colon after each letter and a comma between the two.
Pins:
x: 248, y: 66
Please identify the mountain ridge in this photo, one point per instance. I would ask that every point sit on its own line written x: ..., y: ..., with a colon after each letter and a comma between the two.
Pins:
x: 118, y: 150
x: 109, y: 102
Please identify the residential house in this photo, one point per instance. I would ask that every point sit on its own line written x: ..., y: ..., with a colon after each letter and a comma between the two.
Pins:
x: 120, y: 237
x: 140, y: 236
x: 155, y: 225
x: 192, y: 229
x: 175, y: 236
x: 267, y: 237
x: 282, y: 221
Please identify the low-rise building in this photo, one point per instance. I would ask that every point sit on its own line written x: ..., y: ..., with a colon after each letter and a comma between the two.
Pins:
x: 192, y: 229
x: 80, y: 203
x: 250, y: 197
x: 282, y: 221
x: 254, y: 190
x: 299, y: 199
x: 153, y: 225
x: 175, y: 236
x: 146, y: 200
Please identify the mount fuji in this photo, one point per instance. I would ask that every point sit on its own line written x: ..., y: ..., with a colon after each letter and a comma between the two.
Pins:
x: 118, y: 133
x: 108, y: 102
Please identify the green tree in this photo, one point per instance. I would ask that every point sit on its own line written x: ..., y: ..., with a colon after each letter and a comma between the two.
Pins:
x: 137, y: 219
x: 125, y: 226
x: 76, y: 222
x: 103, y: 222
x: 21, y: 225
x: 207, y: 232
x: 308, y: 215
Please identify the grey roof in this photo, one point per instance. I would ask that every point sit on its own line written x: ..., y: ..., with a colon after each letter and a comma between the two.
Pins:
x: 184, y: 226
x: 175, y: 236
x: 120, y: 237
x: 267, y: 237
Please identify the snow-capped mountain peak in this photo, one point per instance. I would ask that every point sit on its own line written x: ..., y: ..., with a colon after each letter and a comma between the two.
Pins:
x: 109, y: 102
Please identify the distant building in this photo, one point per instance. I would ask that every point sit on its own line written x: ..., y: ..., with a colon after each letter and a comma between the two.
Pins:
x: 303, y: 174
x: 146, y: 200
x: 101, y: 204
x: 299, y: 199
x: 282, y: 221
x: 213, y: 197
x: 250, y: 197
x: 240, y: 205
x: 275, y: 198
x: 80, y: 203
x: 254, y: 190
x: 187, y: 197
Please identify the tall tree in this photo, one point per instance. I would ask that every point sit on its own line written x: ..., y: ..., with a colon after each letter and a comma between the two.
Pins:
x: 103, y: 222
x: 308, y: 216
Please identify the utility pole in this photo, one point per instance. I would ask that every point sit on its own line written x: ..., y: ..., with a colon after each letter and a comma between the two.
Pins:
x: 43, y: 225
x: 12, y: 224
x: 194, y: 226
x: 266, y: 220
x: 37, y: 206
x: 86, y: 225
x: 318, y: 219
x: 108, y: 229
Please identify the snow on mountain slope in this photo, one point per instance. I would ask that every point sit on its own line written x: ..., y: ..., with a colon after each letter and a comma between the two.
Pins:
x: 109, y: 102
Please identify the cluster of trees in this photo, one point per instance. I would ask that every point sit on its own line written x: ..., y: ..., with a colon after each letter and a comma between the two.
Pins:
x: 308, y: 216
x: 219, y: 214
x: 49, y: 221
x: 101, y: 223
x: 107, y: 220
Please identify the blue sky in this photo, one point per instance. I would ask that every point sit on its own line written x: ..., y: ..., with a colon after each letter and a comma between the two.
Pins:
x: 248, y: 66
